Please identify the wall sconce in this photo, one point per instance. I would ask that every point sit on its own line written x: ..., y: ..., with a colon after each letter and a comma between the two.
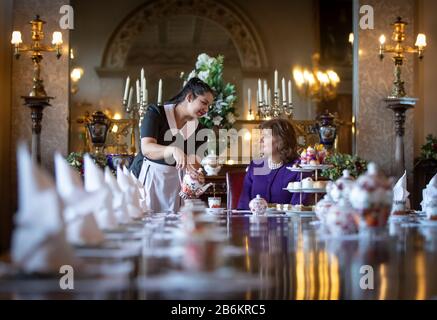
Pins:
x: 75, y: 75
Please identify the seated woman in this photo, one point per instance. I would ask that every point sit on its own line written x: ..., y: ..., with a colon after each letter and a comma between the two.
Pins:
x: 269, y: 175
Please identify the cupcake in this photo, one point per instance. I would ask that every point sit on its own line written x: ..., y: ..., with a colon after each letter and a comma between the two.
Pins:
x: 372, y: 197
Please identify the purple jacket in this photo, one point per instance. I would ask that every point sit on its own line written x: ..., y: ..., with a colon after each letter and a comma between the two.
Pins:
x: 269, y: 185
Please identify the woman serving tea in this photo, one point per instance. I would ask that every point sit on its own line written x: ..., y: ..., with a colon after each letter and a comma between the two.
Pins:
x: 168, y: 145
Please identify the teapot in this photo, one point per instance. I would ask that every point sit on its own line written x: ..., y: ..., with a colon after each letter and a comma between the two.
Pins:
x: 211, y: 164
x: 193, y: 185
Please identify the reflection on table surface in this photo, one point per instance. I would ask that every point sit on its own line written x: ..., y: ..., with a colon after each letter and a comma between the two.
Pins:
x: 276, y: 257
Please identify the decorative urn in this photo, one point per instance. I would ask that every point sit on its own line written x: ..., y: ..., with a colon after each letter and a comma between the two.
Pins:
x: 258, y: 206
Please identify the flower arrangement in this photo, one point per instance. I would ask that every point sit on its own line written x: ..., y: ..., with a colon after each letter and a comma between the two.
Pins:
x: 428, y: 151
x: 75, y: 159
x: 340, y: 162
x: 222, y: 112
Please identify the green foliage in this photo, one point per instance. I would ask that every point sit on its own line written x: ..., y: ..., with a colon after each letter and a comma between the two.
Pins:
x: 75, y: 159
x: 429, y: 149
x: 221, y: 113
x: 340, y: 162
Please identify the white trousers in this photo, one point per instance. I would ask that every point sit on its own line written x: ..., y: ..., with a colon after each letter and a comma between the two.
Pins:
x: 162, y: 186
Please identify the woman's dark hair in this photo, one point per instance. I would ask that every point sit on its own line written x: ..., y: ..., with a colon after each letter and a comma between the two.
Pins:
x: 195, y: 86
x: 284, y: 132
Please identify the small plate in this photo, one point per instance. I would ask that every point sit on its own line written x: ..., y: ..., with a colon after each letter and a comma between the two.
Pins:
x: 217, y: 211
x: 323, y: 190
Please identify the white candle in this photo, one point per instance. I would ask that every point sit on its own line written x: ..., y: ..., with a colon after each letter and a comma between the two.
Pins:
x: 146, y: 97
x: 249, y: 98
x: 265, y: 92
x: 138, y: 91
x: 269, y: 101
x: 276, y: 88
x: 143, y: 89
x: 126, y: 89
x: 260, y: 92
x: 284, y: 93
x: 129, y: 103
x: 160, y: 92
x: 290, y: 93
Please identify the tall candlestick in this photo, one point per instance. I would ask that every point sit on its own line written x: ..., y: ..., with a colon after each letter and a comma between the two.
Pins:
x: 160, y: 92
x: 269, y: 101
x: 129, y: 102
x: 265, y: 92
x: 126, y: 89
x: 276, y: 88
x: 249, y: 99
x: 260, y: 92
x: 137, y: 83
x: 290, y: 93
x: 143, y: 90
x: 284, y: 93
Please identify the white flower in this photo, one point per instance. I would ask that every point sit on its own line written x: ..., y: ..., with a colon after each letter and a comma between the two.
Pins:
x: 230, y: 117
x: 217, y: 120
x: 202, y: 59
x: 192, y: 75
x: 203, y: 75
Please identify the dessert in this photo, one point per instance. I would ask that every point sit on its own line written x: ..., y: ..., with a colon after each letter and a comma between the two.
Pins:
x: 313, y: 155
x: 372, y: 197
x: 307, y: 183
x: 319, y: 184
x: 301, y: 207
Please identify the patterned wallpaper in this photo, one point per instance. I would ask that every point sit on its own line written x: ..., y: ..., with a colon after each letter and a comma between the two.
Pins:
x: 55, y: 74
x: 375, y: 123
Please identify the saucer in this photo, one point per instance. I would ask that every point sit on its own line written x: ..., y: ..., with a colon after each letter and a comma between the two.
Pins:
x: 216, y: 210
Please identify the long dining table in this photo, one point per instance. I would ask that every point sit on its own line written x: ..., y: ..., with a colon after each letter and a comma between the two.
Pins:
x: 234, y: 255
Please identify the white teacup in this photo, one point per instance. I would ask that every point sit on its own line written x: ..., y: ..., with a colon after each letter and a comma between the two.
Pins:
x: 214, y: 202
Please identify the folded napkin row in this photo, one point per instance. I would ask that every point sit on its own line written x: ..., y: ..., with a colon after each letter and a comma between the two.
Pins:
x: 53, y: 215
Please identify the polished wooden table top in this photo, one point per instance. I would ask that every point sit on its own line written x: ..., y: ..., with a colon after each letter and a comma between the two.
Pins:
x: 272, y: 257
x: 289, y: 259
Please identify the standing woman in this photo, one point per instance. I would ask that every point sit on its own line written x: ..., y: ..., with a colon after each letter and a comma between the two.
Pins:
x: 168, y: 144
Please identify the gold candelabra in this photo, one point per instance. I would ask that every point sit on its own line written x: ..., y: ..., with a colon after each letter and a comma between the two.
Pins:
x: 37, y: 99
x: 274, y: 109
x: 398, y: 50
x: 36, y: 48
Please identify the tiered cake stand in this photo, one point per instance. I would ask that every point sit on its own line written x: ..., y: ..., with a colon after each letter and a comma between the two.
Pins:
x: 316, y: 191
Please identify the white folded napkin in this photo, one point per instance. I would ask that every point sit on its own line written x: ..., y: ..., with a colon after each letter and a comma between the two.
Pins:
x: 141, y: 190
x: 429, y: 194
x: 79, y: 205
x: 119, y: 204
x: 131, y: 194
x: 38, y: 242
x: 400, y: 192
x: 95, y: 181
